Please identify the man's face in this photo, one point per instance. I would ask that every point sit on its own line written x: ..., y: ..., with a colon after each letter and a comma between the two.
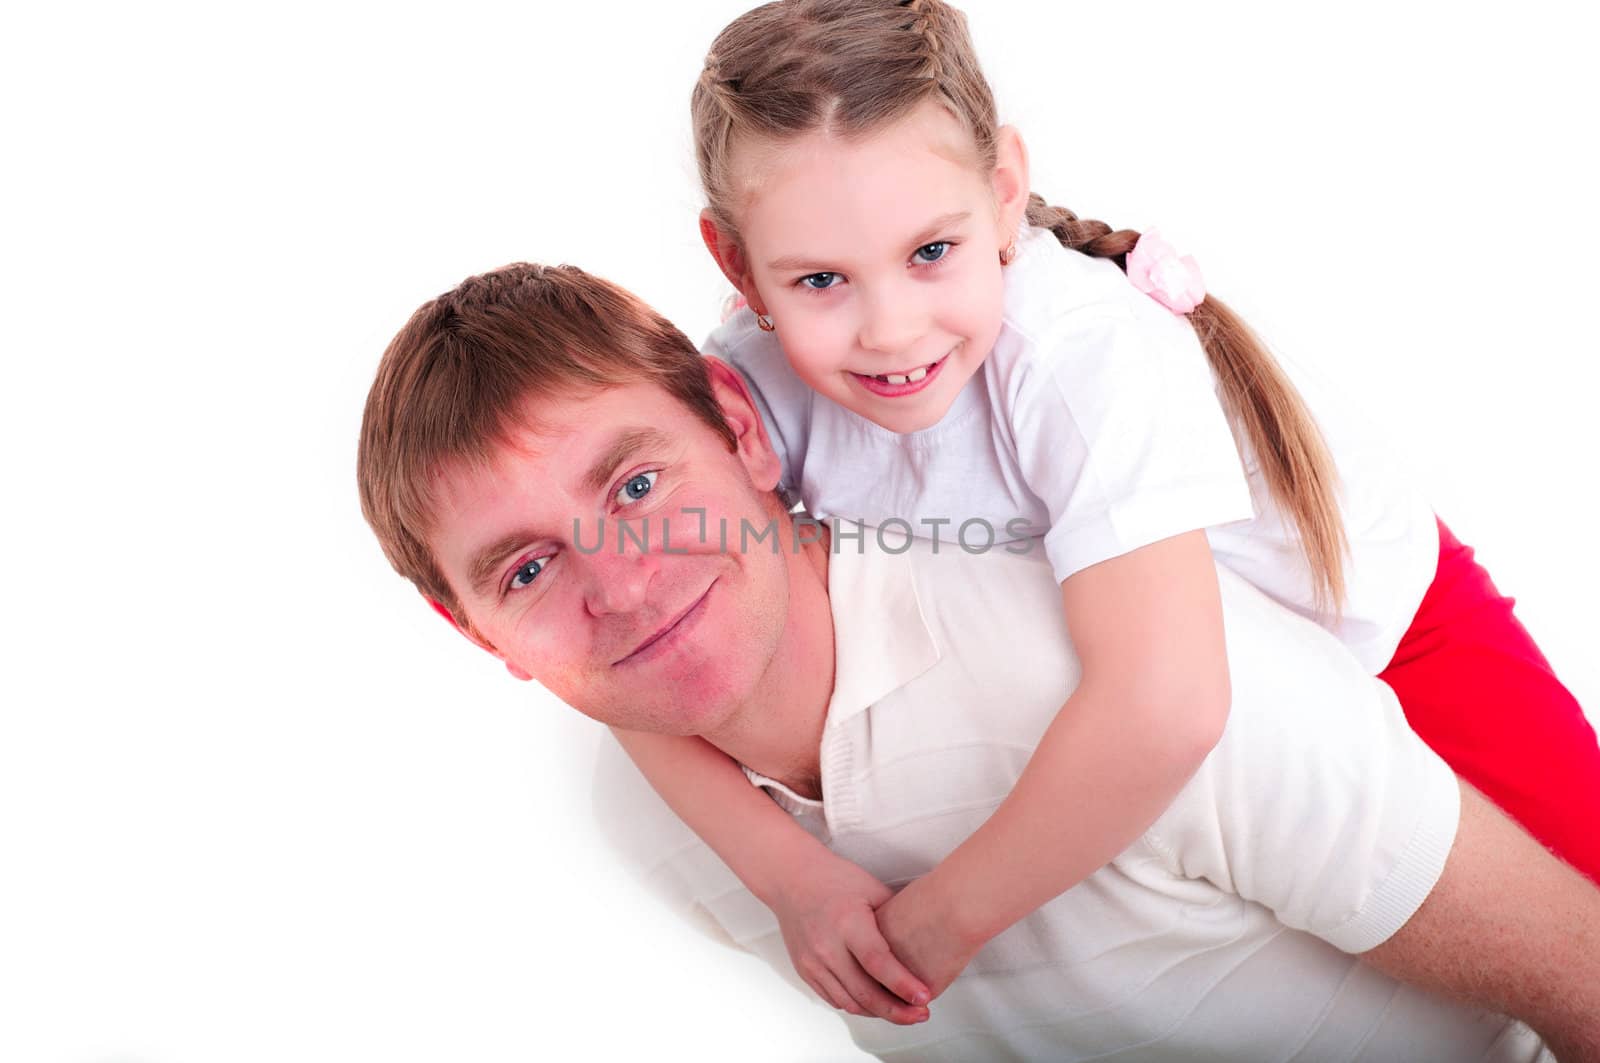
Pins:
x: 542, y: 548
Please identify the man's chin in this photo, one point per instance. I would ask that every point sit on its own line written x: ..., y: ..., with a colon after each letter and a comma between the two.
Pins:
x: 687, y: 703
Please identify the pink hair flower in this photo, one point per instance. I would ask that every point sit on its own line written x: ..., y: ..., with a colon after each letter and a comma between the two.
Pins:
x: 1156, y: 269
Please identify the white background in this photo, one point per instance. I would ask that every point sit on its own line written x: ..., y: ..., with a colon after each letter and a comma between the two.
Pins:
x: 256, y: 802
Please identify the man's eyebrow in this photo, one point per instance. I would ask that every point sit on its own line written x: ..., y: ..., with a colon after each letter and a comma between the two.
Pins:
x: 486, y: 562
x: 624, y: 444
x: 932, y: 230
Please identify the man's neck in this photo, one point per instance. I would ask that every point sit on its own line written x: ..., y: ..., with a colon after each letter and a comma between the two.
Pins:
x: 779, y: 734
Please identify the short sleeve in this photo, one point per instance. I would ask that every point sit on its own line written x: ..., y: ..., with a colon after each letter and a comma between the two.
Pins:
x: 1119, y: 432
x: 781, y: 398
x: 1319, y: 802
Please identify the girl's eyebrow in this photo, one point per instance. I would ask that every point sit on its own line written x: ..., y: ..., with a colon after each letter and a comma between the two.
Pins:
x: 784, y: 265
x: 928, y: 233
x: 938, y: 225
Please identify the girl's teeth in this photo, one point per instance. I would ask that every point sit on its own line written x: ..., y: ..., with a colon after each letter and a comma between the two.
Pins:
x: 903, y: 378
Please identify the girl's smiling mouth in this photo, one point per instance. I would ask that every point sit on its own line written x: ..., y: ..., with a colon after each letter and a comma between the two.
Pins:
x: 894, y: 385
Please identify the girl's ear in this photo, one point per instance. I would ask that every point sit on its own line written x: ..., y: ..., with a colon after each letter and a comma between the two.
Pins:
x: 749, y: 433
x: 1010, y: 180
x: 730, y: 259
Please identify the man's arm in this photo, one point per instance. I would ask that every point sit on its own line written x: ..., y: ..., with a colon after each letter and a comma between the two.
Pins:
x: 1510, y: 928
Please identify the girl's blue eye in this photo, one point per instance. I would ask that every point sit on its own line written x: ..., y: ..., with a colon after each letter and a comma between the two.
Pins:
x: 527, y: 572
x: 636, y: 487
x: 932, y: 252
x: 819, y: 281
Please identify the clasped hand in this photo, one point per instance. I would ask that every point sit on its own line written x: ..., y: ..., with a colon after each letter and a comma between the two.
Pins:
x: 856, y: 942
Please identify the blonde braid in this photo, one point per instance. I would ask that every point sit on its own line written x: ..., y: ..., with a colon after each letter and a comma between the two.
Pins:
x: 715, y: 85
x: 927, y: 33
x: 713, y: 110
x: 1265, y: 410
x: 1094, y: 238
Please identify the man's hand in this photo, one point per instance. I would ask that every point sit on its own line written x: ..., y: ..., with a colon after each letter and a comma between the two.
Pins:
x: 920, y: 933
x: 826, y: 914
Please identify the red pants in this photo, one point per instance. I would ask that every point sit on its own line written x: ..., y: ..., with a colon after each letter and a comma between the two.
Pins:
x: 1481, y: 695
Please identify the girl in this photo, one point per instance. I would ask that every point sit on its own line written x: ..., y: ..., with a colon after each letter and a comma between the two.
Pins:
x: 930, y: 342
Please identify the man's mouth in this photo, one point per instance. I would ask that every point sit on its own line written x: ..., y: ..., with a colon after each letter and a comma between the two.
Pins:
x: 661, y: 640
x: 909, y: 382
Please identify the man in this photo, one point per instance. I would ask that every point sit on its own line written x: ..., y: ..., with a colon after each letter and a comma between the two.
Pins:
x: 555, y: 468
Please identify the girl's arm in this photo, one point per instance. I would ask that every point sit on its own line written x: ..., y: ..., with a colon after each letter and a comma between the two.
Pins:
x: 1152, y: 702
x: 824, y: 903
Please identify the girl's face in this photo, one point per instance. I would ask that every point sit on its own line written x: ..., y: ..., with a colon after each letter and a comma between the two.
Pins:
x: 879, y: 260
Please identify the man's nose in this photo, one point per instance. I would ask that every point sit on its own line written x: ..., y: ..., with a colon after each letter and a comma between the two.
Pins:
x: 890, y: 323
x: 619, y: 573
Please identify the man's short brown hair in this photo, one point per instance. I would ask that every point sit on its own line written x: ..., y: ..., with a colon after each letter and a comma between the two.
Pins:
x: 470, y: 365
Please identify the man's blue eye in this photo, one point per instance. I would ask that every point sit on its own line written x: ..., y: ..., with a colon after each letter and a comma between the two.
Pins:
x: 636, y: 487
x: 527, y: 572
x: 932, y: 252
x: 819, y: 281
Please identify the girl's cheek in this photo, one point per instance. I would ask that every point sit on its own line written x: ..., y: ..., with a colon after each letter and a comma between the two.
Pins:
x: 802, y: 359
x: 819, y: 348
x: 818, y: 373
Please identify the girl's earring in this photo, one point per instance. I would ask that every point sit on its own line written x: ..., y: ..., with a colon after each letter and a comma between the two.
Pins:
x: 1008, y: 254
x: 764, y: 323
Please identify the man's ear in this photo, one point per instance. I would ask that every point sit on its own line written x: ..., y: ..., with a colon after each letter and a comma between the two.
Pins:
x: 1010, y: 181
x: 731, y: 260
x: 749, y: 433
x: 472, y: 636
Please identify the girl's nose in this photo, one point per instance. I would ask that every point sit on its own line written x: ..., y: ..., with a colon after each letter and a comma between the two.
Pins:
x: 890, y: 327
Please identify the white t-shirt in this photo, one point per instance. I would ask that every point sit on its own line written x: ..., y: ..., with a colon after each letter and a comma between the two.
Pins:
x: 1095, y: 423
x: 1315, y: 829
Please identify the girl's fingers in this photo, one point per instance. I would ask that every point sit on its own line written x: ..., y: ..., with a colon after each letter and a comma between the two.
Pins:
x: 872, y: 952
x: 828, y: 988
x: 873, y: 998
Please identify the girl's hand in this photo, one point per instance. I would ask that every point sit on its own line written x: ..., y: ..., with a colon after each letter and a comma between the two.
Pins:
x: 923, y: 935
x: 827, y: 917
